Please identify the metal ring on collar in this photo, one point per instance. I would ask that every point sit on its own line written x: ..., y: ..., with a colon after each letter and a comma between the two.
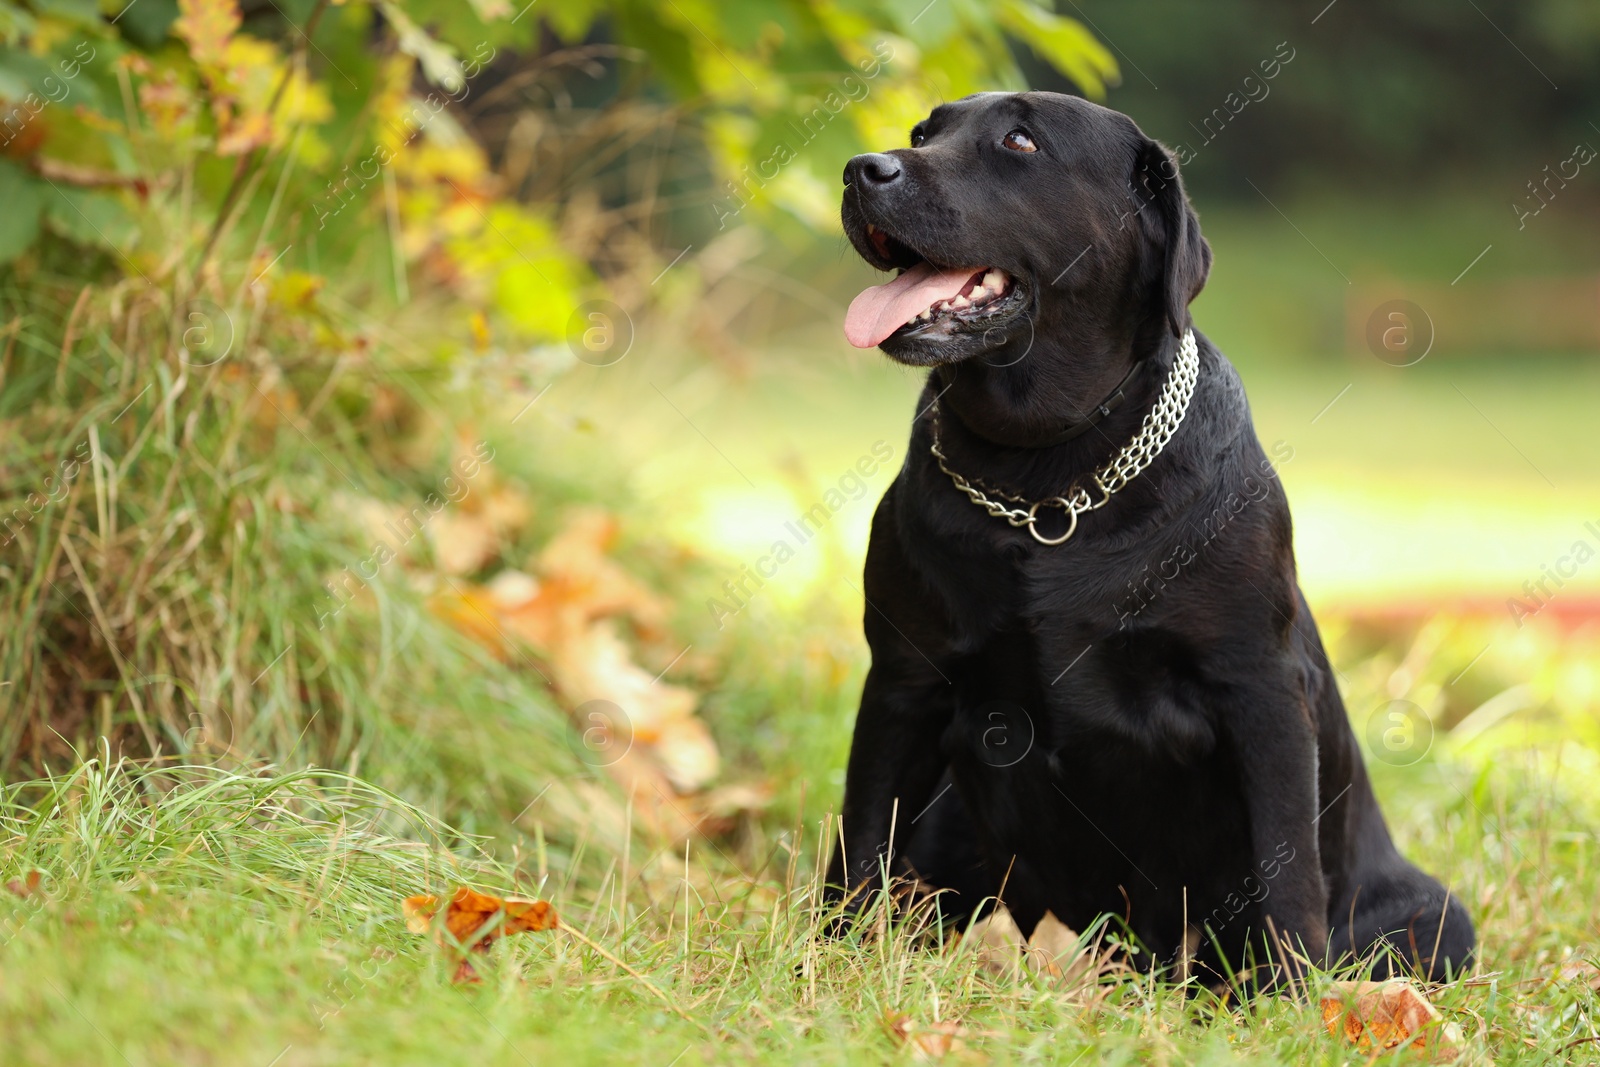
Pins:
x: 1072, y: 521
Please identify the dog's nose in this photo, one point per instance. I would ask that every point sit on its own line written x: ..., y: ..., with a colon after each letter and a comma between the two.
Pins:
x: 873, y: 168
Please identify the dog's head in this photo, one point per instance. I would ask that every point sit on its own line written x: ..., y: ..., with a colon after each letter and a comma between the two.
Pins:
x: 1009, y: 215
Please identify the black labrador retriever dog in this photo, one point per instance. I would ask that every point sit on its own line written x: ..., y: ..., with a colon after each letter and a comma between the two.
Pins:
x: 1096, y: 687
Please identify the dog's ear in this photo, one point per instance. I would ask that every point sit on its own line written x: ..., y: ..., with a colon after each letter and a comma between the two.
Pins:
x: 1186, y: 255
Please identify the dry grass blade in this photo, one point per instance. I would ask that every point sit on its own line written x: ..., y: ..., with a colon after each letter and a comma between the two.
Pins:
x: 649, y: 985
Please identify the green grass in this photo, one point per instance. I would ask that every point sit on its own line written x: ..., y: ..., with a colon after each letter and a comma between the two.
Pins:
x: 194, y: 915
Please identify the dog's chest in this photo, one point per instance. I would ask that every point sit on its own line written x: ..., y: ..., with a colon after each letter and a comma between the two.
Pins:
x: 1072, y: 683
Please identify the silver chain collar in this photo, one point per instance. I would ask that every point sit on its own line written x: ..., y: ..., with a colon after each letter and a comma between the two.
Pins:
x: 1160, y: 423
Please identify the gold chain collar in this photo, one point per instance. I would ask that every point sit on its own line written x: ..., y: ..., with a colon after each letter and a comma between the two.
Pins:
x: 1160, y: 423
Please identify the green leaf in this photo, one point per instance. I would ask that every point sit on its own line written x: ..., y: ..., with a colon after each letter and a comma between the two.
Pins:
x: 22, y: 194
x: 1064, y: 43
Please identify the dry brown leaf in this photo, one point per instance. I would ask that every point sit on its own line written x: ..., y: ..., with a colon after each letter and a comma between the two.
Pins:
x: 462, y: 542
x: 1053, y: 948
x: 1375, y: 1016
x: 467, y: 912
x: 566, y: 613
x: 595, y: 664
x: 577, y: 583
x: 1054, y: 952
x: 578, y: 559
x: 927, y: 1041
x: 999, y: 941
x: 26, y: 886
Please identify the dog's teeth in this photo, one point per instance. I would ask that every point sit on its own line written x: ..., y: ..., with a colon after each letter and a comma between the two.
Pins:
x: 871, y: 229
x: 960, y: 302
x: 994, y: 281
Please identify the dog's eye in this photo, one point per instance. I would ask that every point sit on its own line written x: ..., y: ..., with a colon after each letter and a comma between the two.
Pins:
x: 917, y: 137
x: 1018, y: 141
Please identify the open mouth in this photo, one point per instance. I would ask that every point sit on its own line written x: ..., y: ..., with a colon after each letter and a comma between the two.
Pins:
x: 927, y: 299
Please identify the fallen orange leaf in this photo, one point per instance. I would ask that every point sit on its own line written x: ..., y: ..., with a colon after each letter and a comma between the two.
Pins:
x: 582, y: 614
x: 469, y: 911
x: 1376, y: 1016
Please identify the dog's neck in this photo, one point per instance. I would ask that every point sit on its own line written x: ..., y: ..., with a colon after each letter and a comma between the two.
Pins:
x: 1074, y: 427
x: 1020, y: 405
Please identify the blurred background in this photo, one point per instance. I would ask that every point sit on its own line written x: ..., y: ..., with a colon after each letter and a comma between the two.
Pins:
x: 422, y: 389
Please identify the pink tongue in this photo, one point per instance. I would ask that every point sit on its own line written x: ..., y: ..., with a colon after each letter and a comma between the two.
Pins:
x: 877, y: 312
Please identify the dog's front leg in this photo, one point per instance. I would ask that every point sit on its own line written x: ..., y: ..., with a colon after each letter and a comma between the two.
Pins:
x: 907, y: 703
x: 895, y: 762
x: 1276, y: 749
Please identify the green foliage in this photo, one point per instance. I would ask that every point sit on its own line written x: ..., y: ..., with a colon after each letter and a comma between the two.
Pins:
x: 318, y: 127
x: 241, y: 252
